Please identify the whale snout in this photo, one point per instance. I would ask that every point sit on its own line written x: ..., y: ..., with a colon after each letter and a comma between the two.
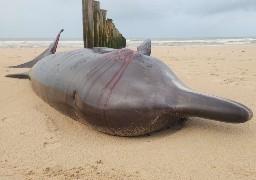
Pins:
x: 214, y: 108
x: 245, y: 114
x: 236, y: 112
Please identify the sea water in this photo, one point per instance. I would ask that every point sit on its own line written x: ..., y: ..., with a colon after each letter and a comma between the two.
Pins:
x: 195, y: 42
x: 78, y: 43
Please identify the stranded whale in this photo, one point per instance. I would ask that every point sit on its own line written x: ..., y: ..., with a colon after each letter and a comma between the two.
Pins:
x: 122, y: 92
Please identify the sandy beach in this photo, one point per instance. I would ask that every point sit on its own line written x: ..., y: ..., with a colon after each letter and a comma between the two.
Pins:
x: 38, y: 142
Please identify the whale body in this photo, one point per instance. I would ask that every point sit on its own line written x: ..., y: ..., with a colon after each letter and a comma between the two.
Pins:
x: 122, y: 92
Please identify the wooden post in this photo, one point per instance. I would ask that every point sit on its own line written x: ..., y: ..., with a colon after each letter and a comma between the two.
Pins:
x: 88, y: 23
x: 104, y: 17
x: 101, y: 28
x: 97, y: 30
x: 96, y: 19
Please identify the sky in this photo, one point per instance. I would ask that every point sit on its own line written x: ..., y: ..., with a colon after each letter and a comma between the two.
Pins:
x: 133, y: 18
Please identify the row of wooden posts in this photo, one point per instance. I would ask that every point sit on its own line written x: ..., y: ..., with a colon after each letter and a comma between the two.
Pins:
x: 99, y: 31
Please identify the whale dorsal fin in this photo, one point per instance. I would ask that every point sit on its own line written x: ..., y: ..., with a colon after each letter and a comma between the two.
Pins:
x: 145, y: 47
x: 51, y: 50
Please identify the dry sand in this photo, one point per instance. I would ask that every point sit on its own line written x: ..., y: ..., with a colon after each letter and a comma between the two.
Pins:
x: 38, y: 142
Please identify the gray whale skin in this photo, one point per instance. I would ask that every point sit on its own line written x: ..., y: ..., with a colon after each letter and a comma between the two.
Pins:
x: 122, y: 92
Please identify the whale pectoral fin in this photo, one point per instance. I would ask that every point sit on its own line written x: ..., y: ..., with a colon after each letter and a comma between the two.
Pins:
x: 51, y: 50
x: 145, y: 47
x: 19, y: 75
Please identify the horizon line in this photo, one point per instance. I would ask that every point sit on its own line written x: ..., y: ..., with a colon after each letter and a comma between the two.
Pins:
x: 130, y: 38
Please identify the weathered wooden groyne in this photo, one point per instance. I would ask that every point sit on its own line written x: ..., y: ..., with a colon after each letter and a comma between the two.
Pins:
x: 98, y: 31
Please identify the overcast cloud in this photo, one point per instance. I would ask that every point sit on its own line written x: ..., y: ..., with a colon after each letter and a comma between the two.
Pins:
x: 134, y: 18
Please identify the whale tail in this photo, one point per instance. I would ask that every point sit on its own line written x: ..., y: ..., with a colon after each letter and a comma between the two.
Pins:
x: 51, y: 50
x: 198, y: 105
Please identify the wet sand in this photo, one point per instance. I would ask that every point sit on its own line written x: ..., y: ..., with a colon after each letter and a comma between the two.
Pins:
x: 38, y: 142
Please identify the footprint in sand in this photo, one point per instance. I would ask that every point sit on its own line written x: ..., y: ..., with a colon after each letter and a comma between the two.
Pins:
x: 51, y: 126
x: 51, y: 142
x: 234, y: 80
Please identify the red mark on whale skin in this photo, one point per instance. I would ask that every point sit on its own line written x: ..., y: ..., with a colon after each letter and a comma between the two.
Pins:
x: 97, y: 66
x: 126, y: 58
x: 91, y: 66
x: 98, y: 69
x: 102, y: 64
x: 117, y: 81
x: 97, y: 78
x: 104, y: 89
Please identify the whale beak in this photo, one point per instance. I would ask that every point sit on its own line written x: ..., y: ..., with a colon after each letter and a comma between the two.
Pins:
x: 210, y: 107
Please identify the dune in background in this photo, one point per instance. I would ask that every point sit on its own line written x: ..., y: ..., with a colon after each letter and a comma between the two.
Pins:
x: 37, y: 141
